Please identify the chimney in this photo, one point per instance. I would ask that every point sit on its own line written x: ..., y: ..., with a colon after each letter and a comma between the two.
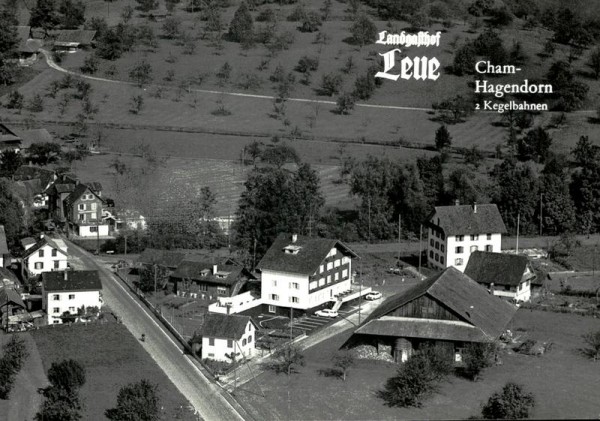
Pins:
x: 66, y: 275
x: 214, y: 269
x: 294, y: 238
x: 456, y: 202
x: 41, y: 236
x: 474, y: 207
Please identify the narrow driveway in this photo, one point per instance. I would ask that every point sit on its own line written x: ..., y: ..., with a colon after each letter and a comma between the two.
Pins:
x: 205, y: 396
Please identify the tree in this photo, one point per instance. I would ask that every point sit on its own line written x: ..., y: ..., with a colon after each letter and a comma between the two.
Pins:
x: 137, y: 103
x: 72, y: 14
x: 145, y: 36
x: 585, y: 153
x: 68, y: 375
x: 364, y: 87
x: 513, y: 402
x: 10, y: 161
x: 363, y: 30
x: 569, y: 92
x: 594, y: 62
x: 473, y: 157
x: 331, y: 84
x: 11, y: 214
x: 44, y: 15
x: 15, y: 100
x: 416, y: 378
x: 592, y: 339
x: 90, y: 64
x: 535, y: 145
x: 136, y: 402
x: 311, y: 22
x: 279, y: 155
x: 464, y: 59
x: 558, y: 208
x: 343, y: 360
x: 241, y: 26
x: 152, y: 277
x: 44, y: 153
x: 285, y: 360
x: 442, y: 138
x: 36, y: 104
x: 454, y: 110
x: 476, y: 357
x: 466, y: 186
x: 585, y: 191
x: 171, y: 28
x: 9, y: 38
x: 58, y: 405
x: 146, y: 5
x: 224, y: 74
x: 345, y: 103
x: 110, y: 45
x: 141, y: 73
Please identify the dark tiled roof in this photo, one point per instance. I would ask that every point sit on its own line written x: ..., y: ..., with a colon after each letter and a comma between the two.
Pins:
x: 7, y: 135
x: 78, y: 190
x: 193, y: 270
x: 64, y: 188
x: 30, y: 172
x: 7, y: 277
x: 27, y: 241
x: 471, y: 302
x: 95, y: 186
x: 306, y: 262
x: 3, y: 244
x: 406, y: 327
x: 463, y: 220
x: 167, y: 258
x: 9, y: 295
x: 83, y: 280
x: 41, y: 243
x: 497, y: 268
x: 225, y: 326
x: 78, y: 36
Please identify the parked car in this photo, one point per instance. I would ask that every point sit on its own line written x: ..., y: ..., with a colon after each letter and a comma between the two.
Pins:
x: 327, y: 313
x: 372, y: 296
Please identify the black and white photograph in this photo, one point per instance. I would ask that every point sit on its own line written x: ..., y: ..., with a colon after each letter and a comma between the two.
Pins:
x: 299, y: 210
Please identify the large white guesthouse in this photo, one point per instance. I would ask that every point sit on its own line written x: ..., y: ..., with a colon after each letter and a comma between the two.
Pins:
x: 454, y: 232
x: 304, y: 273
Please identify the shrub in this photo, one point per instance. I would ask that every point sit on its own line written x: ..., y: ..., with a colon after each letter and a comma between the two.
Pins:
x: 476, y: 357
x: 90, y: 65
x: 592, y: 339
x: 285, y: 360
x: 307, y: 64
x: 331, y: 84
x: 511, y: 403
x: 311, y: 22
x: 364, y: 87
x: 36, y: 104
x: 298, y: 14
x: 345, y: 103
x: 15, y: 100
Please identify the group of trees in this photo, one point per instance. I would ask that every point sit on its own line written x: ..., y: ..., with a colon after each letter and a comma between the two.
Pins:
x: 14, y: 354
x: 9, y: 41
x: 49, y: 14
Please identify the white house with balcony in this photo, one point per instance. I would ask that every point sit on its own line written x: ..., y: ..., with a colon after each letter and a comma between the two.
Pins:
x: 47, y: 254
x: 71, y: 293
x: 454, y: 232
x: 506, y: 275
x: 223, y: 335
x: 304, y: 273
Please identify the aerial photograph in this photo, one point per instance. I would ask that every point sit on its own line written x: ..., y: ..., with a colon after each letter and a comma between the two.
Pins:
x: 299, y: 210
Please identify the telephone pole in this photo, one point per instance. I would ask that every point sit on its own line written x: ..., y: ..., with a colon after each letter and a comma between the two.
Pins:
x: 420, y: 251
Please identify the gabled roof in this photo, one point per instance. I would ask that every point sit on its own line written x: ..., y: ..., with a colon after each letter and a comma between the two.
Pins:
x: 7, y: 135
x: 30, y: 172
x: 228, y: 272
x: 26, y: 44
x: 10, y: 295
x: 497, y: 268
x: 27, y: 241
x: 3, y: 243
x: 167, y: 258
x: 41, y: 243
x: 73, y: 36
x: 64, y: 188
x: 83, y: 280
x: 7, y: 277
x: 77, y: 192
x: 225, y: 326
x: 310, y: 254
x: 468, y: 300
x: 465, y: 220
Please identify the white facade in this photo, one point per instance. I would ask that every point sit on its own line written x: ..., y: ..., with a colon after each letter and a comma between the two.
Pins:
x: 45, y: 259
x: 235, y: 304
x: 216, y: 348
x: 93, y: 230
x: 56, y: 303
x: 455, y: 250
x: 295, y: 291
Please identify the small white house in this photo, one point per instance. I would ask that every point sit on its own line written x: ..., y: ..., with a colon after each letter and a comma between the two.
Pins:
x: 73, y: 292
x: 304, y: 273
x: 454, y: 232
x: 223, y: 335
x: 47, y: 254
x: 505, y: 275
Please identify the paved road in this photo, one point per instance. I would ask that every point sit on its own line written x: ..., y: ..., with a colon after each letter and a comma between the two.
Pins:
x: 204, y: 395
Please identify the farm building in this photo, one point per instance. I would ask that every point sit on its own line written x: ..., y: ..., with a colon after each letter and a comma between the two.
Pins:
x: 448, y: 310
x: 9, y: 140
x: 454, y: 232
x: 305, y: 273
x: 70, y: 40
x: 505, y: 275
x: 46, y: 254
x: 206, y: 280
x: 28, y: 47
x: 223, y: 334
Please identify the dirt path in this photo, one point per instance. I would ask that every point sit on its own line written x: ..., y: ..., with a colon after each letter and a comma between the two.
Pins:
x: 24, y: 399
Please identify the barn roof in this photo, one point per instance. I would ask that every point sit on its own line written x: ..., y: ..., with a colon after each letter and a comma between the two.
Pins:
x: 465, y: 220
x: 10, y: 295
x: 73, y: 36
x: 311, y: 253
x: 82, y: 280
x: 497, y: 268
x: 470, y: 301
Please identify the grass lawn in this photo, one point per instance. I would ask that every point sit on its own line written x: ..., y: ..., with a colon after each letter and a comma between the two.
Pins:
x: 564, y: 383
x: 112, y: 358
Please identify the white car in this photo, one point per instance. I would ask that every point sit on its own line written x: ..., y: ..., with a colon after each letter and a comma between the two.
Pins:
x: 372, y: 296
x: 327, y: 313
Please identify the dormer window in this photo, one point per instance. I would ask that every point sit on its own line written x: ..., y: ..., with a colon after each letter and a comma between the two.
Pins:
x: 291, y: 249
x: 204, y: 272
